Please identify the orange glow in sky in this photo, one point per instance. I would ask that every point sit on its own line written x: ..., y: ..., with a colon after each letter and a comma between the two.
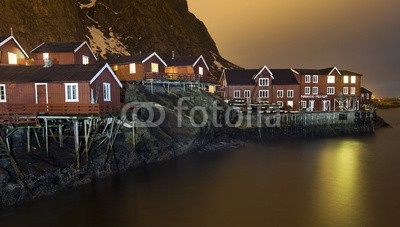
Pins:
x: 358, y: 35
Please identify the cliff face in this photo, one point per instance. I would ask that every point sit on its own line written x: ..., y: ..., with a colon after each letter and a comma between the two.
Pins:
x: 112, y: 27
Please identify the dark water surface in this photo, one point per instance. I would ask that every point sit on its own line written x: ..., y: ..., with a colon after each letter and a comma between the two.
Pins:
x: 353, y: 181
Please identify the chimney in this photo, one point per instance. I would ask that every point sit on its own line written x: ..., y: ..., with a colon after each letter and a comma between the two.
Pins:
x: 173, y: 54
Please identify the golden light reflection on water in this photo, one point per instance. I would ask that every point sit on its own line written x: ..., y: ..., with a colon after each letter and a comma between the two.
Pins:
x: 339, y: 182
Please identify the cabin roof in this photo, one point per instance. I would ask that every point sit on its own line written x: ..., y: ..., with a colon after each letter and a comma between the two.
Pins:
x: 325, y: 71
x: 55, y: 73
x: 283, y: 77
x: 5, y: 39
x: 346, y: 72
x: 139, y: 58
x: 245, y: 76
x: 364, y: 90
x: 182, y: 61
x: 57, y: 47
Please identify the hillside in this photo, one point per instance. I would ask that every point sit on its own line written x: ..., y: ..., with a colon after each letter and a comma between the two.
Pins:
x: 112, y: 27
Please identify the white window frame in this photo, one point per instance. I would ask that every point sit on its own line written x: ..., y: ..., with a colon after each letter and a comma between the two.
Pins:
x: 262, y: 92
x: 330, y: 90
x: 290, y: 93
x: 330, y: 79
x: 36, y: 92
x: 201, y: 71
x: 46, y: 56
x: 315, y: 79
x: 247, y: 93
x: 290, y: 103
x: 345, y: 90
x: 279, y: 103
x: 85, y: 60
x: 66, y: 92
x: 3, y: 89
x: 238, y: 94
x: 303, y: 104
x: 352, y: 90
x: 12, y: 58
x: 132, y: 68
x: 315, y: 90
x: 307, y: 90
x: 345, y: 79
x: 154, y: 67
x: 353, y: 79
x: 307, y: 79
x: 107, y: 92
x: 263, y: 82
x: 279, y: 94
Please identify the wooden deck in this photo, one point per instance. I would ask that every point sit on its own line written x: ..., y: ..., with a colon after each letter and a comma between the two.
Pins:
x: 17, y: 114
x: 181, y: 77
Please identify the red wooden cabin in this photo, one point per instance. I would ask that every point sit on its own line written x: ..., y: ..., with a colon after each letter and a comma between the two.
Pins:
x: 11, y: 53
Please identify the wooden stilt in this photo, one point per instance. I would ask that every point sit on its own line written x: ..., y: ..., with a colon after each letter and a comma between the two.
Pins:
x: 37, y: 138
x: 28, y: 138
x: 46, y: 129
x: 133, y: 131
x: 60, y: 136
x: 151, y: 85
x: 76, y: 139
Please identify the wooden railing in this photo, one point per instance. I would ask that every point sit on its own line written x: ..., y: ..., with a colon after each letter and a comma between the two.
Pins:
x: 181, y: 77
x: 67, y: 109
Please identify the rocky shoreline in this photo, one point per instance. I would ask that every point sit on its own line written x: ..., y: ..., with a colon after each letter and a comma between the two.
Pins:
x: 50, y: 175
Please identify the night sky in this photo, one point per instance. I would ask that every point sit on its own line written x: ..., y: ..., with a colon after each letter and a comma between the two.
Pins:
x: 357, y: 35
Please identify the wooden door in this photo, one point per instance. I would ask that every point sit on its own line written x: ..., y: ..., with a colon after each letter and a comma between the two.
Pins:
x: 41, y: 93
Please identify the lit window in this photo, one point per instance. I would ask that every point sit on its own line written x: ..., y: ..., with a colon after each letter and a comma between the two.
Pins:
x: 247, y: 93
x: 346, y: 79
x: 12, y: 58
x: 132, y: 68
x: 107, y: 92
x: 308, y: 79
x: 315, y: 90
x: 154, y: 67
x: 3, y: 97
x: 115, y: 67
x: 353, y: 79
x: 303, y: 104
x: 345, y: 90
x: 290, y: 93
x: 307, y: 90
x: 201, y: 71
x: 236, y: 94
x: 71, y: 92
x: 263, y: 94
x: 315, y: 79
x: 85, y: 60
x: 368, y: 96
x: 45, y: 56
x: 331, y: 91
x: 280, y: 93
x: 263, y: 82
x: 352, y: 90
x: 331, y: 79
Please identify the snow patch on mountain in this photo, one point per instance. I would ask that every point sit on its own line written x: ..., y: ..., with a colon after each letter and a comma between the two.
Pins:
x: 103, y: 45
x: 91, y: 4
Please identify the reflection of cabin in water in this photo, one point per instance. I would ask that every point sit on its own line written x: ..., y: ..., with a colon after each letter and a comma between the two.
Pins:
x: 59, y: 89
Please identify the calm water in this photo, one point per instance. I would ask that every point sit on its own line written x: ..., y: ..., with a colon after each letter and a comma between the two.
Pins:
x: 330, y: 182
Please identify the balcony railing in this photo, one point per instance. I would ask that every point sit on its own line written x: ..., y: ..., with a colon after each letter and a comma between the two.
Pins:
x: 181, y: 77
x: 65, y: 109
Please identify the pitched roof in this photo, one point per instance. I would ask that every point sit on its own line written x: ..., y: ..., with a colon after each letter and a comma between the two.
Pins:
x: 364, y: 90
x: 346, y: 72
x: 283, y: 77
x: 308, y: 71
x: 55, y: 73
x: 57, y: 47
x: 245, y: 76
x: 5, y: 39
x: 181, y: 61
x: 240, y: 76
x: 140, y: 58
